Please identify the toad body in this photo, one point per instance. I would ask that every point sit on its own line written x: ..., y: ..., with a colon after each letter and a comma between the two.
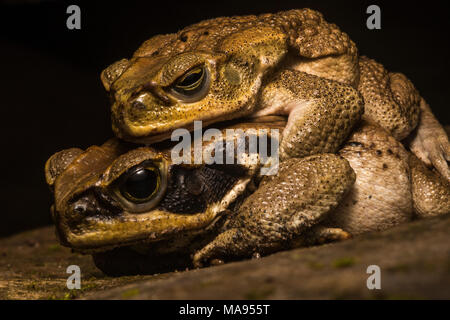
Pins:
x: 290, y: 63
x: 135, y: 209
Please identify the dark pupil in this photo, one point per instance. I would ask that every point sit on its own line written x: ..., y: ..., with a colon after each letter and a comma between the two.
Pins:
x: 141, y: 184
x: 192, y: 78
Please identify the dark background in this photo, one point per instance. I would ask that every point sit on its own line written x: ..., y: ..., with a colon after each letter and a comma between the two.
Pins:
x: 52, y: 98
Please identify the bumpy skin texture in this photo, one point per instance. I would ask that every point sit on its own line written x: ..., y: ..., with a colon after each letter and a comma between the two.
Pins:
x: 392, y: 185
x: 214, y: 213
x: 199, y: 202
x: 390, y: 98
x: 392, y: 102
x: 91, y: 214
x: 241, y: 54
x: 250, y: 62
x: 283, y: 208
x: 431, y: 193
x: 322, y: 112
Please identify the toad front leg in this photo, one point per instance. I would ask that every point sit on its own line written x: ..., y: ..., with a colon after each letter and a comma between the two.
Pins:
x: 321, y: 112
x: 284, y: 209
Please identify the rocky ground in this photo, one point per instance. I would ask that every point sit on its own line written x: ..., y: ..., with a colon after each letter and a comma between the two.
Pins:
x: 414, y: 259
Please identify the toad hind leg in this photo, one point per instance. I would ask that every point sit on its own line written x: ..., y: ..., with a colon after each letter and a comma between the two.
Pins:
x: 392, y: 102
x: 430, y: 191
x: 283, y: 209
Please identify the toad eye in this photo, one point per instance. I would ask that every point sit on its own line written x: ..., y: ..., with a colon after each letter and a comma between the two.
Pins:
x: 190, y: 80
x: 141, y: 187
x: 192, y: 85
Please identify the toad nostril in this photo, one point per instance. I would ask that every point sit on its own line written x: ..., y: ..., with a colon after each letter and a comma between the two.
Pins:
x: 84, y: 205
x: 94, y: 204
x: 80, y: 207
x: 138, y: 105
